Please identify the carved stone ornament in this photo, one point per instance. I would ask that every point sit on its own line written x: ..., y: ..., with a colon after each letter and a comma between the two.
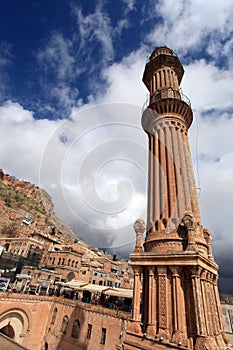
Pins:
x: 190, y: 224
x: 134, y: 327
x: 207, y: 235
x: 139, y: 226
x: 177, y: 336
x: 202, y: 344
x: 189, y: 221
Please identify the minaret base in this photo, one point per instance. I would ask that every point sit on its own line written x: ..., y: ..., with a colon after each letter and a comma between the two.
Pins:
x: 135, y: 341
x: 183, y: 308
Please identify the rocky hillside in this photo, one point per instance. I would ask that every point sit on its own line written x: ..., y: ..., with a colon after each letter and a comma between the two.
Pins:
x: 26, y: 208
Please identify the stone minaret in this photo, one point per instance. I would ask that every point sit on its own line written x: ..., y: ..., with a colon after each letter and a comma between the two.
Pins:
x: 176, y: 301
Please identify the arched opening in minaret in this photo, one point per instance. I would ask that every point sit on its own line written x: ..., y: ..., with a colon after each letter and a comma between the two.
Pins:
x: 8, y: 330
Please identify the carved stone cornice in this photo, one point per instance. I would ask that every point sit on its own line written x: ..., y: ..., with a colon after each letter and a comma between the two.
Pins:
x: 162, y: 270
x: 151, y: 270
x: 175, y: 270
x: 137, y: 270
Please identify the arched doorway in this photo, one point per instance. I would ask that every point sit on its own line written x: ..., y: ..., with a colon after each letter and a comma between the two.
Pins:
x: 14, y: 323
x: 8, y: 330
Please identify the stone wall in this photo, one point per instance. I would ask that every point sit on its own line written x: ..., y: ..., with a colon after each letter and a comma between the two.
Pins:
x: 55, y: 323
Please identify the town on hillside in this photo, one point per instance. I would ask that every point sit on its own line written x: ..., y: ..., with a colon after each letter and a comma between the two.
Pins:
x: 40, y: 255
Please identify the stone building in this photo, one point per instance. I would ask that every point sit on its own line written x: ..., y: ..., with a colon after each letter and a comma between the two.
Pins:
x: 179, y: 306
x: 65, y: 262
x: 23, y: 246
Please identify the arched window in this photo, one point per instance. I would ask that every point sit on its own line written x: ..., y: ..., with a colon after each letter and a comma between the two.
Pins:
x: 7, y: 246
x: 89, y: 329
x: 64, y: 324
x: 103, y: 336
x: 75, y: 329
x: 54, y: 316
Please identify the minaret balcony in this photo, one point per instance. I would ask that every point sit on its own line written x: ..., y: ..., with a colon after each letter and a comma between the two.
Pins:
x: 169, y: 101
x: 165, y: 93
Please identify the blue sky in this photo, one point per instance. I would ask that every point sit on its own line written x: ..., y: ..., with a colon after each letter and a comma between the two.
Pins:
x: 63, y: 47
x: 53, y: 54
x: 71, y: 97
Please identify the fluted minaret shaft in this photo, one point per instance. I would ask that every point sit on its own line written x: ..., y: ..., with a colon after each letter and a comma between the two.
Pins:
x: 171, y: 186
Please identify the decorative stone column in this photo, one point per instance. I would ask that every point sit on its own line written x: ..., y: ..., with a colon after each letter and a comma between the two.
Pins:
x: 151, y: 325
x: 136, y: 300
x: 208, y: 239
x: 179, y: 329
x: 197, y: 294
x: 139, y: 228
x: 162, y: 307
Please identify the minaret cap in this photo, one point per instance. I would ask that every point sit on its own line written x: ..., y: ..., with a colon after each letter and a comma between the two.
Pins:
x: 161, y: 50
x: 161, y: 57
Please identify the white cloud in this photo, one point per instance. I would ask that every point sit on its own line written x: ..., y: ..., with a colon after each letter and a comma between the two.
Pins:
x: 215, y: 145
x: 57, y: 62
x: 130, y: 4
x: 192, y: 24
x: 99, y: 170
x: 14, y: 113
x: 63, y: 60
x: 6, y: 58
x: 122, y: 24
x: 23, y: 140
x: 58, y: 56
x: 95, y: 28
x: 208, y: 86
x: 124, y: 80
x: 6, y: 54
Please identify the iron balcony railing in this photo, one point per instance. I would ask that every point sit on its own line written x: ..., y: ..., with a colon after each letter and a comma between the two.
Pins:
x: 166, y: 93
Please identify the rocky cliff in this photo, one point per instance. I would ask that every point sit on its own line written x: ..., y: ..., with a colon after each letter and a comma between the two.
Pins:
x: 25, y: 209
